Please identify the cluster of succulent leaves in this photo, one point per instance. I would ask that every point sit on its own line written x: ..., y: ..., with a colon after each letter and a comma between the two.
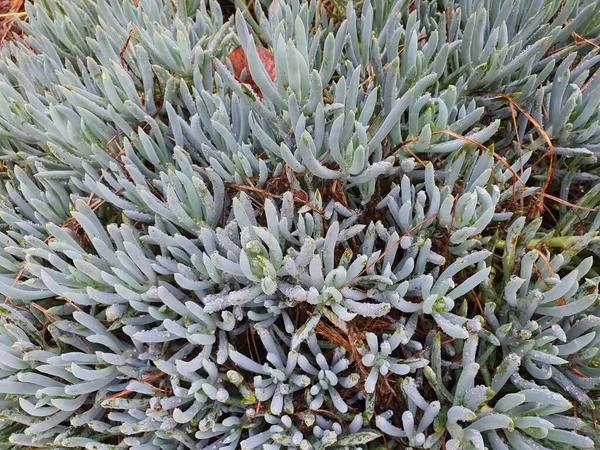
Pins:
x: 392, y: 242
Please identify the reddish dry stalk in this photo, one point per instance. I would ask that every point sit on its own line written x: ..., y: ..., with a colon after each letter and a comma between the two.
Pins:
x: 125, y: 392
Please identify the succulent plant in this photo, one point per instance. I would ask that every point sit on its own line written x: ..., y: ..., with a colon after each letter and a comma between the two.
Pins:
x: 302, y: 225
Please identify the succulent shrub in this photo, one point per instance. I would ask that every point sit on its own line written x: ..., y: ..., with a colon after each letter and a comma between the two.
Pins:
x: 303, y: 225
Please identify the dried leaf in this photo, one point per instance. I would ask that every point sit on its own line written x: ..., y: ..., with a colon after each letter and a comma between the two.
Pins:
x: 240, y: 64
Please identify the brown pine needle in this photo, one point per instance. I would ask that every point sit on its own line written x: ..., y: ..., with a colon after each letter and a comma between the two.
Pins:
x: 569, y: 204
x: 144, y: 380
x: 540, y: 129
x: 389, y: 249
x: 243, y: 187
x: 581, y: 40
x: 46, y: 312
x: 546, y: 262
x: 16, y: 280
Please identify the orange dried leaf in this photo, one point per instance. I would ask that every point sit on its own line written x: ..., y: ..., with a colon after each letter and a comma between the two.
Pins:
x: 239, y: 62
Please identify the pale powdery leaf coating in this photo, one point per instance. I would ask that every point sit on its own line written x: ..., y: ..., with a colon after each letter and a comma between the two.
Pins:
x: 305, y: 225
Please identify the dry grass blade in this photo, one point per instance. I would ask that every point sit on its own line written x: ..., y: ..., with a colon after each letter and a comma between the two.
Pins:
x: 13, y: 15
